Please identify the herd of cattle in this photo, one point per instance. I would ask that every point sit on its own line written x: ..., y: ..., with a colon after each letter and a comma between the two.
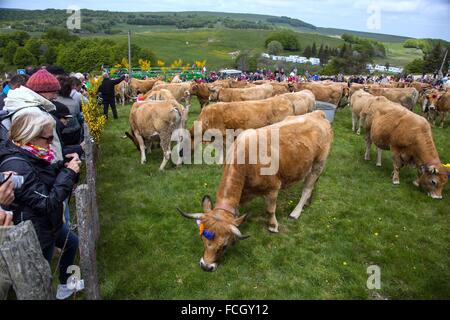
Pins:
x: 305, y: 138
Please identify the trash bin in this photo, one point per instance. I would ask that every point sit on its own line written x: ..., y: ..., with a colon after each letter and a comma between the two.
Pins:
x: 328, y: 108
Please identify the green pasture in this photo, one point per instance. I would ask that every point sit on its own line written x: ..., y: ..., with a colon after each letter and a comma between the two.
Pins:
x: 216, y: 45
x: 357, y: 219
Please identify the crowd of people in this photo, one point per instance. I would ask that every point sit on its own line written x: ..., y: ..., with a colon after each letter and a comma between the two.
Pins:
x: 41, y: 142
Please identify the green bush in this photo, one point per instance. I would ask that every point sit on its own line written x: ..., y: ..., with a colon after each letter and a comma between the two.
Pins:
x: 287, y: 38
x: 274, y: 48
x: 23, y: 58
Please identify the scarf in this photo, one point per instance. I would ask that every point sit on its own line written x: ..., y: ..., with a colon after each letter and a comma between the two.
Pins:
x: 46, y: 154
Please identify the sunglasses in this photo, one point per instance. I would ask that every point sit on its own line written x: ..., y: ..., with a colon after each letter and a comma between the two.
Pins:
x: 48, y: 139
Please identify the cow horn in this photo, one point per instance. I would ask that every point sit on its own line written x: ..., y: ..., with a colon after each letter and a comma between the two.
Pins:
x: 238, y: 233
x: 190, y: 215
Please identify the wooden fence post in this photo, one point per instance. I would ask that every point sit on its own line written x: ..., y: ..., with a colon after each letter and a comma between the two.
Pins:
x: 86, y: 233
x: 22, y: 263
x: 91, y: 178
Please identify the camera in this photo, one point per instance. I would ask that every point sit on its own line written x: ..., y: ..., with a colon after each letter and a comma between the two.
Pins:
x: 17, y: 180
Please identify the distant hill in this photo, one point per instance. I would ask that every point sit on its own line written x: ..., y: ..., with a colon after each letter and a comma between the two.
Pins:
x: 111, y: 22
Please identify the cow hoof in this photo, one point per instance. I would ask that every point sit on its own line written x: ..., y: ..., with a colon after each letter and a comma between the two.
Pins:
x: 294, y: 216
x: 358, y: 133
x: 273, y: 229
x: 366, y: 158
x: 378, y: 164
x: 143, y: 162
x: 416, y: 183
x: 395, y: 182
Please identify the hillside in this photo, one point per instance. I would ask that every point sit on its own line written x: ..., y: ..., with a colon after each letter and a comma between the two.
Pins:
x: 110, y: 21
x: 190, y: 36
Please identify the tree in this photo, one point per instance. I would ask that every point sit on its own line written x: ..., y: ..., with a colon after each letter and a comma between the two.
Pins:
x: 314, y: 50
x: 416, y: 66
x: 287, y: 38
x: 23, y: 58
x: 34, y: 47
x: 433, y: 60
x: 50, y: 55
x: 245, y: 62
x: 307, y: 52
x: 274, y: 48
x: 9, y: 51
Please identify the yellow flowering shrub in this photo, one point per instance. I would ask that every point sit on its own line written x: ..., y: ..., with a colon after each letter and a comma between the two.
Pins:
x: 200, y: 64
x: 144, y: 64
x: 93, y: 115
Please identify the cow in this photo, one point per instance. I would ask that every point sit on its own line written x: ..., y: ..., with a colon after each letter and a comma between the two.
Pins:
x: 201, y: 90
x: 141, y: 86
x: 181, y: 91
x: 408, y: 135
x: 419, y: 86
x: 280, y: 87
x: 162, y: 94
x: 303, y: 147
x: 256, y: 113
x: 150, y: 119
x: 176, y: 79
x: 358, y: 101
x: 122, y: 92
x: 353, y: 88
x: 436, y: 104
x: 260, y: 92
x: 407, y: 97
x: 335, y: 93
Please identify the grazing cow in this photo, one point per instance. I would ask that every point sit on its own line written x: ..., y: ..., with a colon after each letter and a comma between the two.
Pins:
x: 256, y: 113
x: 122, y: 92
x: 407, y: 97
x: 436, y: 104
x: 409, y: 137
x: 181, y: 91
x: 260, y: 92
x: 335, y: 93
x: 150, y: 119
x: 303, y: 148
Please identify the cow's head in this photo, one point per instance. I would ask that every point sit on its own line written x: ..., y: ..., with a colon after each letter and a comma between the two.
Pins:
x: 432, y: 98
x: 214, y: 94
x: 432, y: 180
x: 218, y: 229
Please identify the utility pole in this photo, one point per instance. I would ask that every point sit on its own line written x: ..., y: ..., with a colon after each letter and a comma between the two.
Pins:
x: 440, y: 74
x: 129, y: 54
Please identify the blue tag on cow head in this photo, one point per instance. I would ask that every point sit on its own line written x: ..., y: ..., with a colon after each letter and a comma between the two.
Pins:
x: 208, y: 234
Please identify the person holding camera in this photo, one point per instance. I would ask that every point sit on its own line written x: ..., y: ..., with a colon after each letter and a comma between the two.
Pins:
x: 6, y: 198
x: 46, y: 184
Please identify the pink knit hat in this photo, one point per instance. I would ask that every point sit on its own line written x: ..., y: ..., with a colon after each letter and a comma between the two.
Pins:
x: 43, y: 81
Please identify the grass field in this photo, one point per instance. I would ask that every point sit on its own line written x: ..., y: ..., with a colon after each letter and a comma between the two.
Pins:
x: 357, y: 219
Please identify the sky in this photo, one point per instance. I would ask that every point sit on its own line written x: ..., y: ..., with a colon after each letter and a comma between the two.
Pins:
x: 412, y: 18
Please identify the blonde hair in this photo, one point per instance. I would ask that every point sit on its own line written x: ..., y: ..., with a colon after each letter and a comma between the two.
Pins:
x: 28, y: 126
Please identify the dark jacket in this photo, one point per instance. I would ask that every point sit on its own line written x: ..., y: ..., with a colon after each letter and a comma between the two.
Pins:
x: 40, y: 198
x: 107, y: 88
